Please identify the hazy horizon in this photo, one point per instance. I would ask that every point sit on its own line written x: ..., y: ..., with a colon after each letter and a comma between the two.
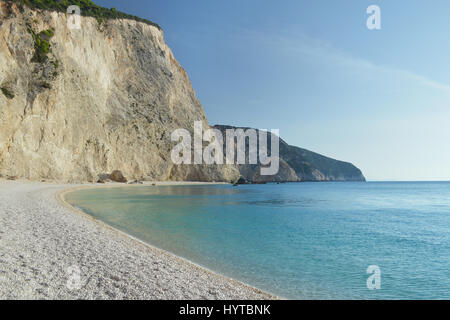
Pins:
x: 377, y: 99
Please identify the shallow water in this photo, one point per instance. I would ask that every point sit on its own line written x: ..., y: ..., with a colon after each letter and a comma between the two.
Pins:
x: 300, y: 241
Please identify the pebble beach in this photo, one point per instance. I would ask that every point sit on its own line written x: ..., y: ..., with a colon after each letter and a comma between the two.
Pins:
x: 49, y: 250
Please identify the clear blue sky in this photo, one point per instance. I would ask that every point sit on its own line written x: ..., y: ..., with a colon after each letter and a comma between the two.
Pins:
x: 378, y: 99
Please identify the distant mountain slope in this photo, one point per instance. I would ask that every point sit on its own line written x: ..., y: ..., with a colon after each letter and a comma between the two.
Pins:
x: 298, y: 164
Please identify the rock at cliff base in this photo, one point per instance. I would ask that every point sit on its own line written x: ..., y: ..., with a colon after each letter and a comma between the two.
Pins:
x: 135, y: 182
x: 117, y: 176
x: 241, y: 181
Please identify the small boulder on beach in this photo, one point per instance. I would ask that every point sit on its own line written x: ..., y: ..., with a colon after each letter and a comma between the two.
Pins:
x: 117, y: 176
x: 242, y: 180
x: 135, y: 182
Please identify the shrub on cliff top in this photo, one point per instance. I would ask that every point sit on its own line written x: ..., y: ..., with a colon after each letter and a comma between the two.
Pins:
x: 88, y: 8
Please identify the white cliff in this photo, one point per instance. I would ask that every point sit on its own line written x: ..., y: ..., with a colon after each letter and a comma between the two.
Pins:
x: 105, y: 97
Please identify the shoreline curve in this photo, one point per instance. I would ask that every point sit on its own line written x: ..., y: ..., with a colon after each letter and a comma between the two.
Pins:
x: 43, y: 240
x: 60, y: 196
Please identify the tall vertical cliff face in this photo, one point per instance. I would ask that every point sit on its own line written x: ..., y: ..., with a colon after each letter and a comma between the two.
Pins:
x: 100, y: 98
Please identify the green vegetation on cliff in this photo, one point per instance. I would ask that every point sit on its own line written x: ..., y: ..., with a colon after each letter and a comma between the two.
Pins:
x: 8, y: 93
x: 87, y: 7
x: 42, y: 45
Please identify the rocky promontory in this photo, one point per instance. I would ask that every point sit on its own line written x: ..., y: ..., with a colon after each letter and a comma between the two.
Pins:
x: 297, y: 164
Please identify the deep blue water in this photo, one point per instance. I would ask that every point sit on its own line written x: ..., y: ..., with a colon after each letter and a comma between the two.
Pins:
x: 303, y: 240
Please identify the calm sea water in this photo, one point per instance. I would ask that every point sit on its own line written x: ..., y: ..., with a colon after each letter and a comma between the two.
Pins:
x: 304, y: 240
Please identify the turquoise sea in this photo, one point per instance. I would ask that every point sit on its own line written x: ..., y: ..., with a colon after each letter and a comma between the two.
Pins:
x: 300, y: 240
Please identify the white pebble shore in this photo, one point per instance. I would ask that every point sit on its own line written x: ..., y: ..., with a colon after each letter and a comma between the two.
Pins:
x: 43, y: 243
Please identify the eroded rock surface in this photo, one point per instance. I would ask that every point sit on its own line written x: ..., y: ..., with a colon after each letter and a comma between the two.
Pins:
x: 104, y: 97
